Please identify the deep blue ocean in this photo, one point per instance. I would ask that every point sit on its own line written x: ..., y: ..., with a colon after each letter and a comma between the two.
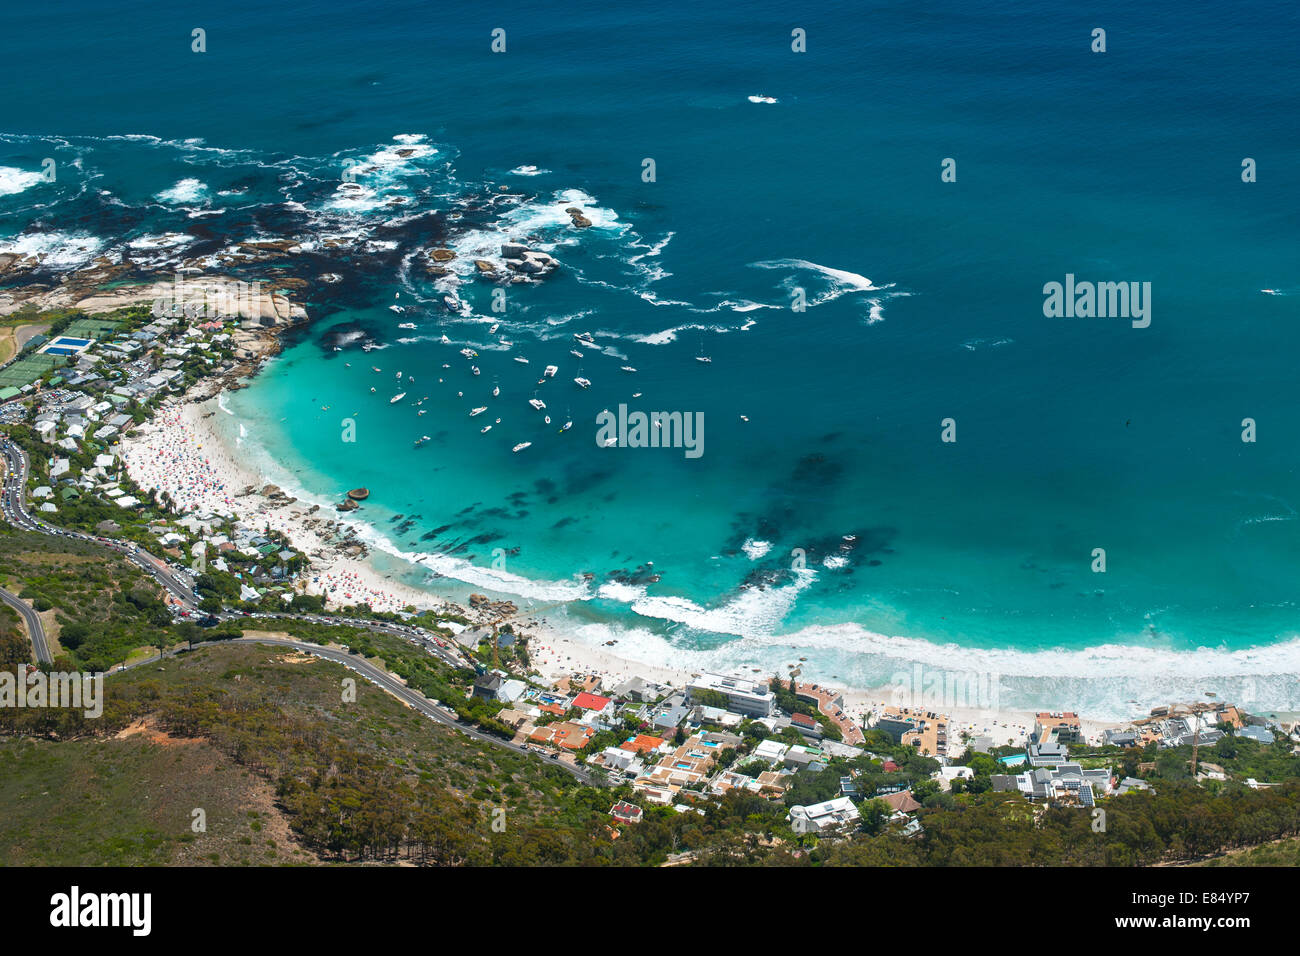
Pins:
x: 825, y: 517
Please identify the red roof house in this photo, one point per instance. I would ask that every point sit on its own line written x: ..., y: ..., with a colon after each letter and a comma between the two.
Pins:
x: 591, y: 702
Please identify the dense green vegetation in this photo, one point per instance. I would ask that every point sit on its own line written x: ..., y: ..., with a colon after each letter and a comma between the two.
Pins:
x: 372, y: 780
x: 105, y: 608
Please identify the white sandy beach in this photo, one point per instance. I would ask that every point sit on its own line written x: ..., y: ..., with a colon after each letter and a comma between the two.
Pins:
x: 181, y: 452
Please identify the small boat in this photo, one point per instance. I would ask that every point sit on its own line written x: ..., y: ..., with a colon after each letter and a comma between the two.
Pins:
x: 584, y: 337
x: 397, y: 398
x: 761, y: 98
x: 505, y: 341
x: 396, y: 308
x: 478, y: 411
x: 493, y: 330
x: 521, y: 446
x: 1269, y: 291
x: 469, y: 353
x: 550, y: 371
x: 406, y: 325
x: 372, y: 388
x: 375, y: 368
x: 474, y: 369
x: 547, y: 419
x: 485, y: 429
x: 445, y: 340
x: 347, y: 364
x: 703, y: 358
x: 520, y: 358
x: 368, y: 347
x: 421, y: 411
x: 582, y: 382
x: 575, y: 352
x: 421, y: 440
x: 498, y: 421
x: 611, y: 442
x: 399, y: 376
x: 636, y: 394
x: 496, y: 390
x: 744, y: 418
x: 337, y: 349
x: 537, y: 403
x: 627, y: 368
x: 565, y: 427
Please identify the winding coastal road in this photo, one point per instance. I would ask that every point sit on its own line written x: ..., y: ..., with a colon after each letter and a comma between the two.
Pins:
x: 32, y: 621
x: 14, y: 508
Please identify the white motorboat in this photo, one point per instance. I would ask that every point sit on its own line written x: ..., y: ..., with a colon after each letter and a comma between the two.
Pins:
x: 550, y: 371
x: 397, y: 398
x: 521, y: 446
x: 478, y: 411
x: 582, y: 382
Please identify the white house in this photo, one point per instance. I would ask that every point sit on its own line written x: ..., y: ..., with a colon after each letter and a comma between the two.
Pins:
x: 837, y: 814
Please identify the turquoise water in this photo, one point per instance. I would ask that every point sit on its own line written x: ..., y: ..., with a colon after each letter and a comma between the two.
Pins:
x: 833, y: 524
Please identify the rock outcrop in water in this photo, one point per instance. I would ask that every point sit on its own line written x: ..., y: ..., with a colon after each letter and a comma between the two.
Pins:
x: 529, y: 262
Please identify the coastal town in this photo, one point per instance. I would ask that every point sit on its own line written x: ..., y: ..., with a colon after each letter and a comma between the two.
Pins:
x: 109, y: 406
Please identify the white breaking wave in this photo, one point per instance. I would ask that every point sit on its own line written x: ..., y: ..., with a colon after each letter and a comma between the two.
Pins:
x: 751, y: 611
x: 14, y: 180
x: 849, y: 280
x: 185, y: 191
x: 755, y: 549
x: 1099, y: 681
x: 62, y: 250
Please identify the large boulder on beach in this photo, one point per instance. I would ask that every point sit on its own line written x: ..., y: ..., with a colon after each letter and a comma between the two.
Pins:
x: 359, y: 494
x: 442, y: 255
x: 513, y: 250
